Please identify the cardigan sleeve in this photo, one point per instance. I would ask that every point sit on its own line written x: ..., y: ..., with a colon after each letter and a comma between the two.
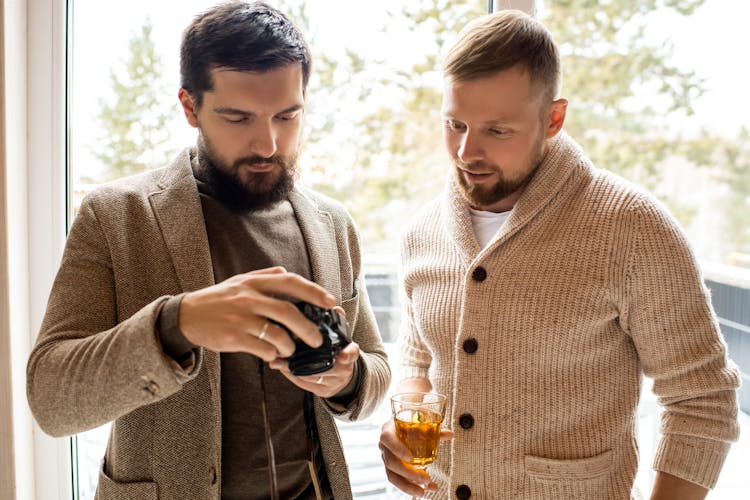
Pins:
x: 673, y: 326
x: 416, y: 357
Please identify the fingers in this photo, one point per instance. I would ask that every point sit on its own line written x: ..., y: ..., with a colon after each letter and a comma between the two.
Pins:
x: 233, y: 315
x: 409, y: 487
x: 269, y: 341
x: 321, y: 385
x: 291, y: 285
x: 348, y: 355
x: 328, y: 383
x: 446, y: 434
x: 392, y: 444
x: 395, y: 457
x: 269, y: 270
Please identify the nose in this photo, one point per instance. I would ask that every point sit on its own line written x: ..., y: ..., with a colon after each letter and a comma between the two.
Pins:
x: 469, y: 149
x: 264, y: 139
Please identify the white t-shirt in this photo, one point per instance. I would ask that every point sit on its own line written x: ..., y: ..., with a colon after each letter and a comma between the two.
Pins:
x: 487, y: 224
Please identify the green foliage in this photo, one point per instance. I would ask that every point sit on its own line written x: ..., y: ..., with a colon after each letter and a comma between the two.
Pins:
x: 389, y: 159
x: 623, y: 87
x: 134, y: 133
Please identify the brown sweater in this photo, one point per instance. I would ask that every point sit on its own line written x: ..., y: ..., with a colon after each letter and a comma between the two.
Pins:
x: 541, y: 339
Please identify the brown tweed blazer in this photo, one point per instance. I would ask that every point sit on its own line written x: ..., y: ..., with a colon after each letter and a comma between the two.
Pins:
x: 135, y: 243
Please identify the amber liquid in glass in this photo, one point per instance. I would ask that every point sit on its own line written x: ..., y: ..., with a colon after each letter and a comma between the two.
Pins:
x: 419, y: 430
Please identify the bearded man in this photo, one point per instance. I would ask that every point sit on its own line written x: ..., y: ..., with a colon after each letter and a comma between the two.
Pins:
x: 172, y: 315
x: 538, y: 292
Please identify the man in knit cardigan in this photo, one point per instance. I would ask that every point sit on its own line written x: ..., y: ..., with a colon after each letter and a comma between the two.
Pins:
x: 169, y: 316
x: 538, y: 292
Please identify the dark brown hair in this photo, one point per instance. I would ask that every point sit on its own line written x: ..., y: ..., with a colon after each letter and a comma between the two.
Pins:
x: 239, y: 36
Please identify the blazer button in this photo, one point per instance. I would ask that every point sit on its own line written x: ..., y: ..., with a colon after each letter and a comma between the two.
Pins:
x: 479, y: 274
x: 466, y: 421
x: 471, y: 346
x: 150, y: 386
x: 463, y: 492
x: 212, y: 475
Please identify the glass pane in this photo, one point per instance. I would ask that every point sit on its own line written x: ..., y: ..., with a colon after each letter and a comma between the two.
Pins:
x: 373, y: 137
x: 372, y: 134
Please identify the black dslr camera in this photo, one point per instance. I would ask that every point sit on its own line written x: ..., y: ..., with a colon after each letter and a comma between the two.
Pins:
x: 333, y: 328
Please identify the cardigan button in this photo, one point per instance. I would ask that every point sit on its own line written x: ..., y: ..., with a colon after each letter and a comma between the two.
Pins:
x: 471, y: 346
x: 466, y: 421
x: 479, y: 274
x: 463, y: 492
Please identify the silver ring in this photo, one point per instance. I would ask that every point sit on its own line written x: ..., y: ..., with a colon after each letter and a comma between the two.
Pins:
x: 263, y: 330
x: 320, y: 380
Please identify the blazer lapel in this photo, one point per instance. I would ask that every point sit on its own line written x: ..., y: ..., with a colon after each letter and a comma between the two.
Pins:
x: 177, y: 208
x: 320, y: 240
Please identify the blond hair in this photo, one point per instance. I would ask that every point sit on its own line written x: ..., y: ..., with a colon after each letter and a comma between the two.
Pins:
x: 499, y: 41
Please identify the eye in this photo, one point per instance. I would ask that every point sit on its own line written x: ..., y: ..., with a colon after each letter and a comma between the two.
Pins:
x: 454, y: 125
x: 237, y: 121
x: 498, y: 132
x: 288, y: 116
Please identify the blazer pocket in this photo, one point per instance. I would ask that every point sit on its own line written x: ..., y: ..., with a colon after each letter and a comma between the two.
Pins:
x: 351, y: 308
x: 581, y: 469
x: 109, y: 489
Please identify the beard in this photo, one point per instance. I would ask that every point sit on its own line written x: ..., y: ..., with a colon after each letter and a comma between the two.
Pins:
x: 479, y: 196
x: 258, y: 190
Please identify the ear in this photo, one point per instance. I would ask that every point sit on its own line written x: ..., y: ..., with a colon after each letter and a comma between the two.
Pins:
x: 188, y: 106
x: 555, y: 117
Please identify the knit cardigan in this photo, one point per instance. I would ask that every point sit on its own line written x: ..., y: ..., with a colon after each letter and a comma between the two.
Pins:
x: 542, y: 338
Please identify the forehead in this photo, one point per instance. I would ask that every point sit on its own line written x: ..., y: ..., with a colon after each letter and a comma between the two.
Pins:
x: 274, y: 89
x: 508, y: 93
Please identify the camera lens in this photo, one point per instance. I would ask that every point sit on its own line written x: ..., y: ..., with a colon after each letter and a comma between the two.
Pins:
x: 310, y: 362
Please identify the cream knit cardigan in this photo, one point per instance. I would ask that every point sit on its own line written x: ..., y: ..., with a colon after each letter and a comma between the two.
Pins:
x: 589, y: 285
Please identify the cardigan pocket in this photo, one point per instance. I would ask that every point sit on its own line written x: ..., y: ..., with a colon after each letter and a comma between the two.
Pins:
x: 575, y: 479
x: 109, y: 489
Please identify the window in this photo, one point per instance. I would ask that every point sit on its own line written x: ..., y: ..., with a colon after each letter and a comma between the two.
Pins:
x: 702, y: 176
x: 362, y: 97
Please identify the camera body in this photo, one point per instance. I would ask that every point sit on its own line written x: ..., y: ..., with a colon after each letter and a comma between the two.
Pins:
x: 334, y: 329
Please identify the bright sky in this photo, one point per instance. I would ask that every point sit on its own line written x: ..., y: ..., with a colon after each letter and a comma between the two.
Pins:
x: 712, y: 42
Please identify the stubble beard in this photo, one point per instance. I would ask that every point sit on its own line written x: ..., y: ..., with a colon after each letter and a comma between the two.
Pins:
x: 479, y: 196
x: 257, y: 190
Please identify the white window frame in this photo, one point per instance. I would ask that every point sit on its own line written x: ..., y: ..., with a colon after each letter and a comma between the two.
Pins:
x: 34, y: 83
x: 524, y: 5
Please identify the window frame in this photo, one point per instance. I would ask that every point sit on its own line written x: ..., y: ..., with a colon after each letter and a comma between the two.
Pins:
x: 34, y: 198
x: 48, y: 188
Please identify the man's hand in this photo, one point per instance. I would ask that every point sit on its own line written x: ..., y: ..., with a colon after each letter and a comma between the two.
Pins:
x: 231, y: 316
x: 396, y: 456
x: 669, y: 487
x: 329, y: 383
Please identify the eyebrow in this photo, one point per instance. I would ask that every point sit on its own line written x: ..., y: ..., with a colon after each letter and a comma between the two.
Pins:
x: 236, y: 111
x: 501, y: 121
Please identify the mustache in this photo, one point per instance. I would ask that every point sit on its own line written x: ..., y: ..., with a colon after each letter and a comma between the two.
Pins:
x: 473, y: 166
x: 256, y: 159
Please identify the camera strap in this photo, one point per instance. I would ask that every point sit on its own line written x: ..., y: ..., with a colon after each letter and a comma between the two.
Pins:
x: 272, y: 481
x: 310, y: 431
x: 312, y: 436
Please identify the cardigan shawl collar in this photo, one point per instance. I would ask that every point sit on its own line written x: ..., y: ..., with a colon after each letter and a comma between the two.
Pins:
x: 562, y: 159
